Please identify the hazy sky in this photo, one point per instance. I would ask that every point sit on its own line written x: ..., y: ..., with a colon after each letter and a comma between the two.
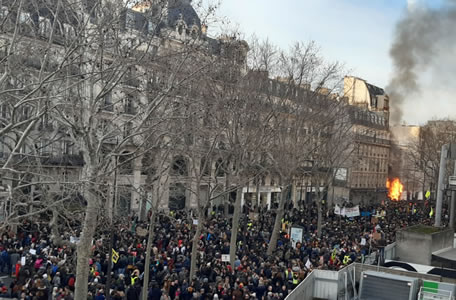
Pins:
x: 356, y: 32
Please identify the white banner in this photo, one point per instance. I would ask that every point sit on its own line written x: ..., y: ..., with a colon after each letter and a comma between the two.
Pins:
x: 351, y: 212
x: 337, y: 210
x: 348, y: 212
x: 296, y: 236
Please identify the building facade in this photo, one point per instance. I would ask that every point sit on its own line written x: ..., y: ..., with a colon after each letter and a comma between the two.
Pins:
x: 371, y: 153
x: 52, y: 154
x: 403, y: 162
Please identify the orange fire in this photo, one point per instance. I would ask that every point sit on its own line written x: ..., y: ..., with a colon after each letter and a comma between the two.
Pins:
x: 395, y: 188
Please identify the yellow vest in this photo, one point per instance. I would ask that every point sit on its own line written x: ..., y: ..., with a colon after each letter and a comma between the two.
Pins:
x: 295, y: 279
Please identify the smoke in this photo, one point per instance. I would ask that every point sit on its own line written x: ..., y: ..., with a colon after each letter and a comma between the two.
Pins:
x: 423, y: 51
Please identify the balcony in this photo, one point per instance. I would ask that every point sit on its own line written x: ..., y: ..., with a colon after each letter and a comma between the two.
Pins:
x: 70, y: 160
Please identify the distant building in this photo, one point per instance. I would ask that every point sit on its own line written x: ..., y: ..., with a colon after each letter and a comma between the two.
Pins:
x: 405, y: 140
x: 368, y: 173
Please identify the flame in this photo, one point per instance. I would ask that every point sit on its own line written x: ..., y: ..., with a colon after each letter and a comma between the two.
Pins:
x: 395, y: 188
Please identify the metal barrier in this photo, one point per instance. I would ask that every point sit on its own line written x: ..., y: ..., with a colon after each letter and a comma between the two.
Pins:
x: 334, y: 285
x: 305, y: 289
x: 434, y: 294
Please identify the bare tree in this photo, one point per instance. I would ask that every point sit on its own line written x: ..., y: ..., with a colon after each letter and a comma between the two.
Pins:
x: 92, y: 81
x: 424, y: 152
x: 305, y: 108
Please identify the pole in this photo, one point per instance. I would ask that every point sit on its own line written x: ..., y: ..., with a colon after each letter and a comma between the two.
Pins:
x: 108, y: 278
x: 111, y: 240
x: 440, y: 188
x: 453, y: 202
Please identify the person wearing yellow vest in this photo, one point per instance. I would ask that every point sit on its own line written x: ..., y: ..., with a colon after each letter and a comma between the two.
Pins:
x: 292, y: 277
x: 133, y: 278
x: 289, y: 275
x: 346, y: 260
x: 295, y: 279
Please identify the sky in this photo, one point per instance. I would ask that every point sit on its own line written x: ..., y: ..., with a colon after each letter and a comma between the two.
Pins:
x: 358, y: 33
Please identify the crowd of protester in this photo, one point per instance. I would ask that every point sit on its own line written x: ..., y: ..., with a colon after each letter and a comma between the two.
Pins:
x: 42, y: 270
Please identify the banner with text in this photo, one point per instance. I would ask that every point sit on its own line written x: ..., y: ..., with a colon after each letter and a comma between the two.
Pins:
x: 348, y: 212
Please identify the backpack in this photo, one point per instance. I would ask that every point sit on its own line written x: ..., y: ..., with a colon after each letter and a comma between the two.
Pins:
x: 71, y: 282
x: 38, y: 263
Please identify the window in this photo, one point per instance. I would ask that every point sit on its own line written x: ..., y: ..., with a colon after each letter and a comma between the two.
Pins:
x: 69, y: 31
x: 68, y: 147
x: 129, y: 105
x: 24, y: 17
x: 25, y: 113
x: 220, y: 168
x: 125, y: 163
x: 179, y: 167
x: 205, y: 167
x: 4, y: 111
x: 2, y: 147
x: 151, y: 26
x: 107, y: 105
x: 130, y: 21
x: 127, y: 129
x: 44, y: 26
x: 180, y: 29
x: 45, y: 147
x: 4, y: 12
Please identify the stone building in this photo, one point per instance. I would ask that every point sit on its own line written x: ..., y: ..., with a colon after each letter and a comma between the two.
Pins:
x: 403, y: 162
x: 51, y: 154
x: 370, y: 116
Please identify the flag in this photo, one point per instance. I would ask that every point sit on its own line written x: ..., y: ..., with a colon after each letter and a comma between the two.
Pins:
x: 431, y: 213
x: 308, y: 264
x: 115, y: 256
x: 428, y: 194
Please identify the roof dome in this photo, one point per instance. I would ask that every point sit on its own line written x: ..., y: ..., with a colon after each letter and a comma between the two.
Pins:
x: 178, y: 9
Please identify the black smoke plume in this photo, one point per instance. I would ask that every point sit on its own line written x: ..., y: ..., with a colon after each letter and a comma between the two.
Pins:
x: 424, y: 37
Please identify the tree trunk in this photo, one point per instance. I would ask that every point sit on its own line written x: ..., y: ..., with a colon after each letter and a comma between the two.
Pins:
x: 85, y: 244
x: 235, y: 226
x: 228, y: 194
x: 320, y: 196
x: 195, y: 243
x: 320, y: 215
x: 278, y: 222
x: 150, y: 239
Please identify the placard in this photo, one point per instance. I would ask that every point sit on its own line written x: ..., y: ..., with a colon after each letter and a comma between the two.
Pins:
x: 195, y: 221
x: 296, y: 235
x: 253, y: 216
x: 351, y: 212
x: 141, y: 231
x: 225, y: 257
x: 32, y: 251
x: 376, y: 236
x: 74, y: 240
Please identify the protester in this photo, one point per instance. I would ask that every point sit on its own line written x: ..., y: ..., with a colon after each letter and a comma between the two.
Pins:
x: 45, y: 270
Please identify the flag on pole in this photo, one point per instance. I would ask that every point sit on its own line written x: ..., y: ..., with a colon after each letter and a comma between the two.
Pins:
x: 431, y: 213
x: 428, y: 194
x: 115, y: 256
